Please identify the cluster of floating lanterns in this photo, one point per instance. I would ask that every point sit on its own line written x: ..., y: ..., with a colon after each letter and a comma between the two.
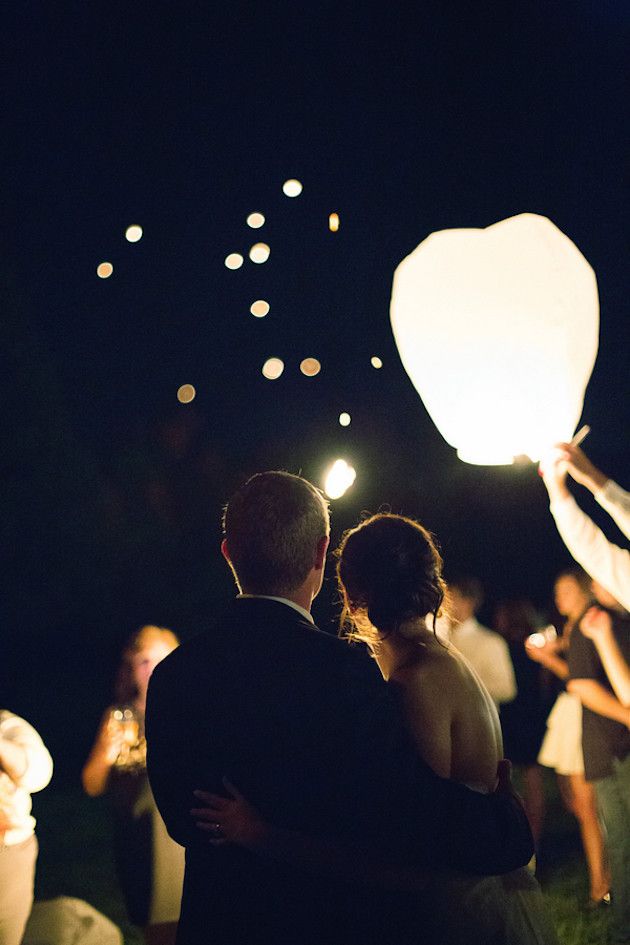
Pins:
x: 133, y: 234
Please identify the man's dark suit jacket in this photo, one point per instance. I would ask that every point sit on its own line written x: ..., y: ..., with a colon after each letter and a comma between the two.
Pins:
x: 305, y: 727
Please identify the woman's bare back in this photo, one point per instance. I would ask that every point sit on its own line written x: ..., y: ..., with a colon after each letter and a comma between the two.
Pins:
x: 451, y: 715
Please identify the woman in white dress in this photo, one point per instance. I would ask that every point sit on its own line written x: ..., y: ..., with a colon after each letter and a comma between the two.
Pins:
x: 562, y: 745
x: 389, y: 573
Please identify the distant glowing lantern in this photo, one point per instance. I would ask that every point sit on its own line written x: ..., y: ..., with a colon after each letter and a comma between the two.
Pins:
x: 310, y: 367
x: 497, y: 330
x: 345, y: 419
x: 259, y: 253
x: 292, y: 188
x: 259, y: 308
x: 333, y: 222
x: 133, y: 233
x: 234, y: 261
x: 104, y: 270
x: 256, y: 220
x: 338, y: 479
x: 273, y: 368
x: 186, y: 393
x: 376, y: 362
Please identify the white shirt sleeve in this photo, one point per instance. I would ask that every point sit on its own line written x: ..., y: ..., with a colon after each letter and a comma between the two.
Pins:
x: 38, y: 765
x: 607, y: 563
x: 616, y: 501
x: 495, y: 668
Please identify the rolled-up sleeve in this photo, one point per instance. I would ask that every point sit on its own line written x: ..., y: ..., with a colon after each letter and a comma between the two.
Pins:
x: 38, y: 764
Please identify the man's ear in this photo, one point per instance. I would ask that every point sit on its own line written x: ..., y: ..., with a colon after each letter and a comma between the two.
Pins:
x: 320, y: 552
x: 225, y: 552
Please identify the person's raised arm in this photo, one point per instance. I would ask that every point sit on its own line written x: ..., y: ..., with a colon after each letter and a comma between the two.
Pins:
x: 606, y: 562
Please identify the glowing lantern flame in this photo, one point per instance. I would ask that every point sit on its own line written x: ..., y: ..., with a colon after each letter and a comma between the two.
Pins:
x: 273, y: 368
x: 104, y: 270
x: 233, y: 261
x: 310, y: 367
x: 345, y: 419
x: 338, y: 479
x: 256, y: 220
x: 497, y: 330
x: 186, y: 393
x: 259, y: 308
x: 133, y: 233
x: 259, y: 253
x: 376, y: 362
x: 333, y: 222
x: 292, y: 188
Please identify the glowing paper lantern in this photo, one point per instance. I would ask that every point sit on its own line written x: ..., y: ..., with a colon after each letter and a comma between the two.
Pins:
x: 273, y: 368
x: 104, y: 270
x: 259, y: 308
x: 338, y: 479
x: 133, y: 233
x: 186, y: 393
x: 497, y: 329
x: 259, y: 253
x: 376, y: 362
x: 234, y: 261
x: 292, y: 188
x: 256, y: 220
x: 345, y: 419
x: 333, y: 222
x: 310, y: 367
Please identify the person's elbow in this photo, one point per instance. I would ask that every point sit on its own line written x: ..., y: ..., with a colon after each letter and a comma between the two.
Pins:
x: 39, y: 770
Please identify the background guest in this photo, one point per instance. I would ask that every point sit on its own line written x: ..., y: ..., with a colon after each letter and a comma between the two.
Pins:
x: 484, y: 649
x: 25, y: 767
x: 562, y: 746
x: 149, y: 863
x: 523, y: 719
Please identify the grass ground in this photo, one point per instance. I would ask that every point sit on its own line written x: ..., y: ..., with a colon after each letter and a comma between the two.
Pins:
x: 76, y: 860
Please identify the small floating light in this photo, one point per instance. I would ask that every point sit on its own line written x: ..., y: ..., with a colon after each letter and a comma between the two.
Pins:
x: 256, y: 220
x: 292, y: 188
x: 310, y: 367
x: 273, y: 368
x: 104, y: 270
x: 186, y: 393
x: 234, y: 261
x: 259, y: 308
x: 259, y: 253
x: 133, y: 233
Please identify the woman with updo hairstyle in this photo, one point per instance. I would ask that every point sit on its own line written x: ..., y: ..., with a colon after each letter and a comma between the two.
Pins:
x: 385, y: 594
x: 390, y: 579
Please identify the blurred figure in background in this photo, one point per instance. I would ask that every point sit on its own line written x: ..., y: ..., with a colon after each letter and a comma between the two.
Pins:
x: 25, y: 767
x: 150, y: 865
x: 523, y: 719
x: 562, y: 745
x: 484, y: 649
x: 606, y: 746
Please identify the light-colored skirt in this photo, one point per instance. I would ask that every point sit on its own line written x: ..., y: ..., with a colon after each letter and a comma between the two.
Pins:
x: 562, y: 745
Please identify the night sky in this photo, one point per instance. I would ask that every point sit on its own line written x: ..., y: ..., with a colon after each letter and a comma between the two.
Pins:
x: 184, y: 119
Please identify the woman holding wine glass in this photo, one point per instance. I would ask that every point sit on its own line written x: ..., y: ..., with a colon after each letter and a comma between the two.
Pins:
x: 150, y: 865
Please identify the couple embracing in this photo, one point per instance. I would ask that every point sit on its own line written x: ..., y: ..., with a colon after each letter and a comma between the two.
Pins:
x: 320, y: 801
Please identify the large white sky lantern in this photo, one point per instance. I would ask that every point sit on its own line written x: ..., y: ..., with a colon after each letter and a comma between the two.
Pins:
x: 498, y: 331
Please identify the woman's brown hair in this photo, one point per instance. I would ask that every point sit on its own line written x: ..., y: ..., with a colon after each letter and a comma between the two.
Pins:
x: 389, y: 572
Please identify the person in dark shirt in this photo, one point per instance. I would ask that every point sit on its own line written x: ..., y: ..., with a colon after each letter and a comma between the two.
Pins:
x: 606, y: 745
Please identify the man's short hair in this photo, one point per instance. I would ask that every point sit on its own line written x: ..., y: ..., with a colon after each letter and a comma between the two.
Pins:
x: 272, y: 525
x: 469, y: 587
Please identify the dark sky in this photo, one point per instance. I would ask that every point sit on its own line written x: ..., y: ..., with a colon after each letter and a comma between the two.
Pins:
x: 183, y: 118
